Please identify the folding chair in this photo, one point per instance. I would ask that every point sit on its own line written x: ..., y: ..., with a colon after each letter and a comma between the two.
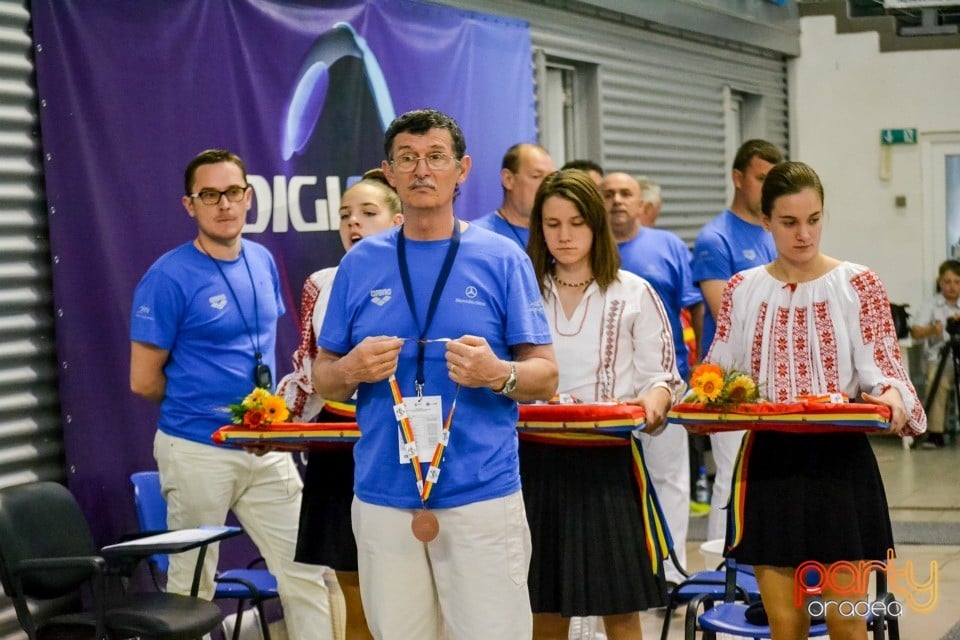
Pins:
x: 242, y: 585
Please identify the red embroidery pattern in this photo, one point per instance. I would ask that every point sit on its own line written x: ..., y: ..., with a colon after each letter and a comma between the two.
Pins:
x: 875, y: 319
x: 726, y: 305
x: 306, y: 348
x: 781, y: 356
x: 803, y: 366
x: 756, y: 352
x: 611, y: 335
x: 668, y: 354
x: 828, y: 346
x: 876, y: 327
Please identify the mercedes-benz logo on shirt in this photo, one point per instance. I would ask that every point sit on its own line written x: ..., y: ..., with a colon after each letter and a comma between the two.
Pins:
x: 471, y: 291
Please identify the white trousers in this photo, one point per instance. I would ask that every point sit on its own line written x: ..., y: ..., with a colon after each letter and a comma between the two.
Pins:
x: 668, y: 463
x: 725, y: 447
x: 469, y: 583
x: 201, y: 483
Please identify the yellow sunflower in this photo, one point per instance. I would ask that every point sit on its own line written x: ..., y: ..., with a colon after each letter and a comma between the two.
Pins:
x: 742, y: 389
x: 708, y: 386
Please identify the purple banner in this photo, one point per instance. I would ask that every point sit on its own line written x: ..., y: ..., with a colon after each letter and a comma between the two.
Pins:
x: 131, y: 91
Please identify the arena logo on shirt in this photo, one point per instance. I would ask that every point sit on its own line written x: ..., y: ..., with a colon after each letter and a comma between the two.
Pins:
x: 853, y: 578
x: 749, y: 254
x: 471, y: 297
x: 218, y: 302
x: 381, y: 297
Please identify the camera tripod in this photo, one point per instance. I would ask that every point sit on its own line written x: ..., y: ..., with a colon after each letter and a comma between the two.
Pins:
x: 951, y: 349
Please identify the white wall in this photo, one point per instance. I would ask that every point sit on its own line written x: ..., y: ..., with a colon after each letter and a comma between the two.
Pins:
x: 843, y: 91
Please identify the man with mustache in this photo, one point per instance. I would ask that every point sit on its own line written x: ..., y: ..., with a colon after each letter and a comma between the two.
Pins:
x: 439, y: 342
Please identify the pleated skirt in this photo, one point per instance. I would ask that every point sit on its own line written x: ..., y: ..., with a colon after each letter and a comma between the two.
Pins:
x: 326, y: 533
x: 589, y: 543
x: 799, y: 497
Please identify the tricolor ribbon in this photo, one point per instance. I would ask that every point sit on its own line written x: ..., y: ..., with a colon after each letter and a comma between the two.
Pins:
x: 737, y: 506
x: 424, y: 485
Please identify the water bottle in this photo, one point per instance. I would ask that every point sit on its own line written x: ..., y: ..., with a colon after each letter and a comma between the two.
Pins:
x: 701, y: 492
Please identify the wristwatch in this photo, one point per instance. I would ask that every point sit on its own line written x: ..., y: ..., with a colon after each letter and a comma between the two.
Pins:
x: 511, y: 382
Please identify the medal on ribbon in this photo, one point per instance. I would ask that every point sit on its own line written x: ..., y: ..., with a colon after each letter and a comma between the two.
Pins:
x: 425, y: 525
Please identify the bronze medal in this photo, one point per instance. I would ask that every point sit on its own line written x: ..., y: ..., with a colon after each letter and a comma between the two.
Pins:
x: 425, y: 526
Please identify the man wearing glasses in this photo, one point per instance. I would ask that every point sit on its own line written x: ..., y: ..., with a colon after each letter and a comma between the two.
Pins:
x: 438, y: 328
x: 203, y: 332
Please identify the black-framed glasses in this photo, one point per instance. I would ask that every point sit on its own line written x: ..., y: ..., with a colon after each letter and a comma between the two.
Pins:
x: 212, y: 196
x: 408, y: 162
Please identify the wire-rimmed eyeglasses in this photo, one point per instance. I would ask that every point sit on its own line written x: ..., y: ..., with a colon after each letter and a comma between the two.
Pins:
x: 408, y: 162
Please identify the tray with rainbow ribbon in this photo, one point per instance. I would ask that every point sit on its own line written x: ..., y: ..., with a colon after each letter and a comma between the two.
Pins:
x: 289, y: 436
x: 589, y: 417
x: 581, y: 418
x: 811, y: 414
x: 579, y: 423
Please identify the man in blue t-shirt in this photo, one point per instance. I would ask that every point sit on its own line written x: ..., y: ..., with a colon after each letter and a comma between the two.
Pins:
x: 733, y: 241
x: 203, y: 332
x: 523, y: 169
x: 432, y: 324
x: 661, y: 258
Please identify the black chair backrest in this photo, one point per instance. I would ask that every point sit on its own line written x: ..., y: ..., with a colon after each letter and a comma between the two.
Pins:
x: 43, y: 520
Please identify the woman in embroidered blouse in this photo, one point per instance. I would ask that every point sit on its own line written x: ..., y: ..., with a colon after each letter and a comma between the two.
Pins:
x: 325, y: 537
x: 612, y: 341
x: 808, y: 324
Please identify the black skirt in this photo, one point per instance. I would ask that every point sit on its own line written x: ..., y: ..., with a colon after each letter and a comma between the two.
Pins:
x: 326, y: 534
x: 799, y: 497
x: 589, y: 543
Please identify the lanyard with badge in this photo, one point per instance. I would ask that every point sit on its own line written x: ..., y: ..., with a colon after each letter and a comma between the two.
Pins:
x: 262, y: 376
x: 418, y: 417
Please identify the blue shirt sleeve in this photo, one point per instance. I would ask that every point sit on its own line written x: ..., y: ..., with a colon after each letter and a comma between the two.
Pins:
x: 158, y: 305
x: 712, y: 259
x: 335, y: 333
x: 526, y: 319
x: 689, y: 293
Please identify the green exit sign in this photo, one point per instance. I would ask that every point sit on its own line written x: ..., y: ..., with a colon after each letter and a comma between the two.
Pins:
x: 898, y: 136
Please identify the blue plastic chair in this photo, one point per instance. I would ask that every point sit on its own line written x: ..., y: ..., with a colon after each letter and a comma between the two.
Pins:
x: 729, y: 616
x: 253, y: 585
x: 708, y: 586
x: 725, y: 614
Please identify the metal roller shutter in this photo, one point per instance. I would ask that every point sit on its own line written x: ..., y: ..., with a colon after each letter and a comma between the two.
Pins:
x: 661, y: 93
x: 31, y: 445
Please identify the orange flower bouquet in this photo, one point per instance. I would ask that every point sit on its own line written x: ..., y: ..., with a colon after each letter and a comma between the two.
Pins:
x: 259, y: 409
x: 710, y: 385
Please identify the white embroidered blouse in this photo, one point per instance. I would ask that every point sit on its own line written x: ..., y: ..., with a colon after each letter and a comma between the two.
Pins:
x: 833, y: 334
x: 297, y: 387
x: 617, y: 344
